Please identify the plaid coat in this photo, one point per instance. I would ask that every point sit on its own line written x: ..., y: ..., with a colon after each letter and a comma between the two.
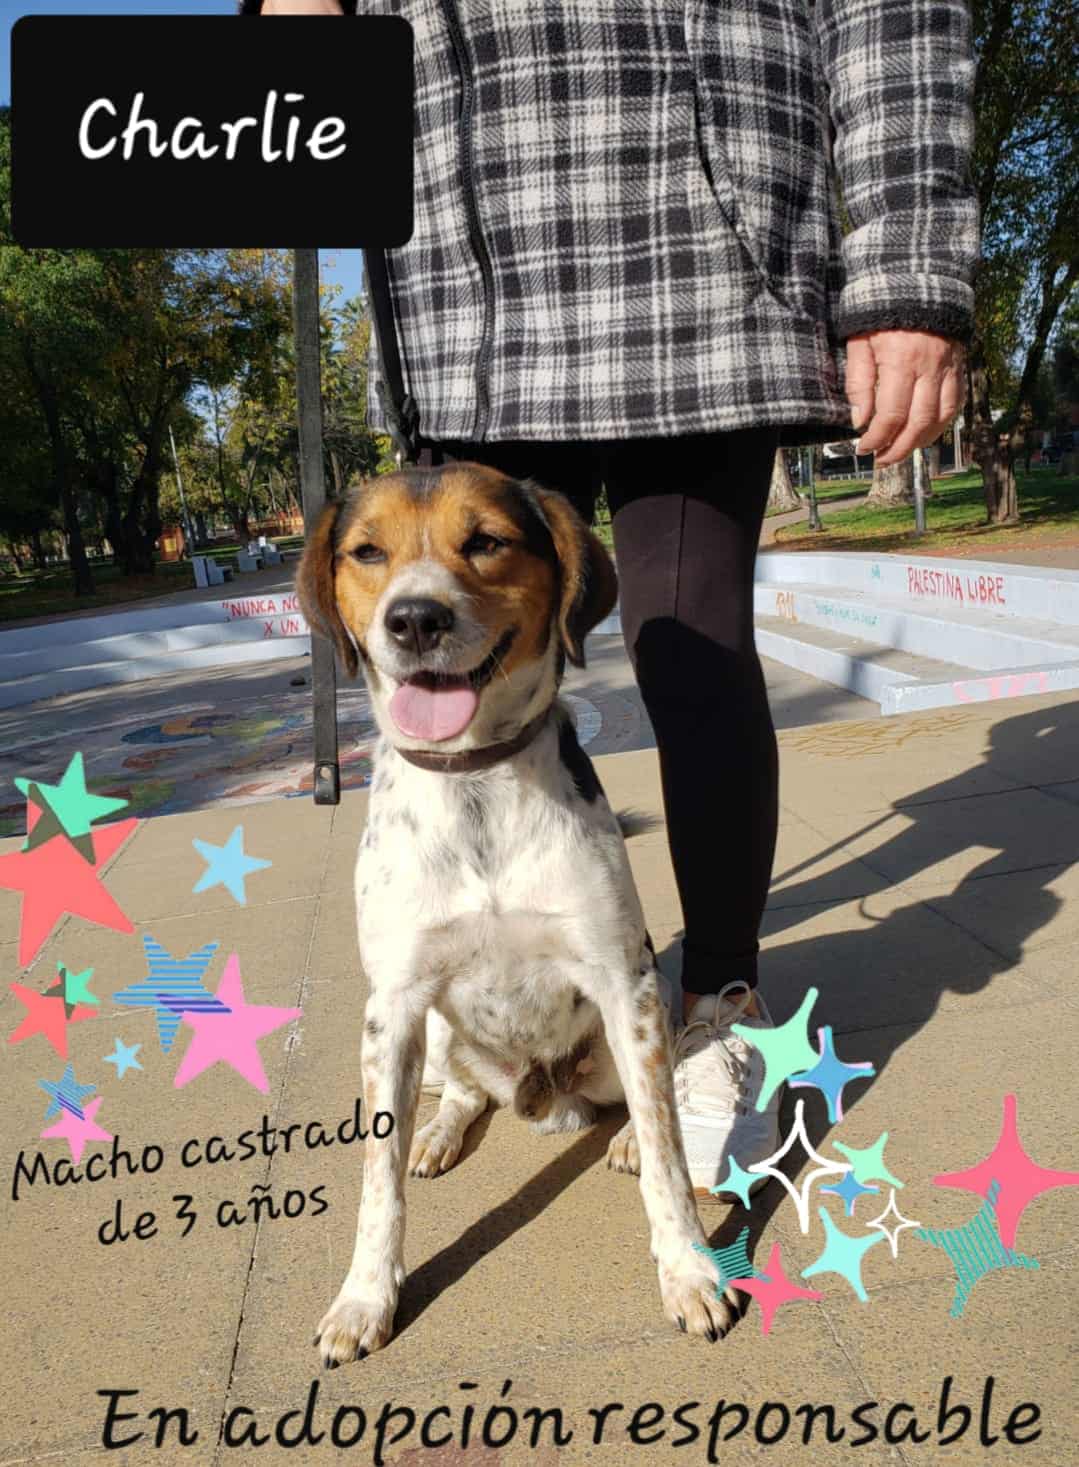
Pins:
x: 626, y: 219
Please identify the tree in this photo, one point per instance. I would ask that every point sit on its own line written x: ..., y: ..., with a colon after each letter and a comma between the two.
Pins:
x: 781, y: 495
x: 1026, y: 168
x: 893, y: 484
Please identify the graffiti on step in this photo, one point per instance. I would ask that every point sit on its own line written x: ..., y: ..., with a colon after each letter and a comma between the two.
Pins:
x: 964, y: 590
x: 1005, y: 685
x: 264, y: 606
x: 785, y: 606
x: 855, y: 614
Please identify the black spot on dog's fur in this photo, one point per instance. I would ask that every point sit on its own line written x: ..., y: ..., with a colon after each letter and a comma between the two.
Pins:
x: 374, y: 1028
x: 580, y: 766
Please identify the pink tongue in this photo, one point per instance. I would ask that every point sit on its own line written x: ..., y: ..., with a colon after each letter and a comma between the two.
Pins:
x: 433, y: 714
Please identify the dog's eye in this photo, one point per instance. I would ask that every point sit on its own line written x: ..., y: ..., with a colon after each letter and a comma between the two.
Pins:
x: 368, y: 553
x: 481, y: 544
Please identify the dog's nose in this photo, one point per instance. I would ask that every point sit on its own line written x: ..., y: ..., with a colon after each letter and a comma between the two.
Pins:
x: 418, y: 623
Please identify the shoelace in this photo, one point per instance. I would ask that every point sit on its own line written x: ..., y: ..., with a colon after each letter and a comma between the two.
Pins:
x: 697, y: 1039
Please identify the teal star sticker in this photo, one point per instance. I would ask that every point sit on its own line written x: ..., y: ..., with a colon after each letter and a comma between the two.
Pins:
x: 76, y: 986
x: 850, y: 1189
x: 975, y: 1249
x: 867, y: 1162
x: 785, y: 1050
x: 228, y: 865
x: 67, y: 807
x: 123, y: 1057
x: 738, y: 1182
x: 732, y: 1261
x: 829, y: 1075
x: 843, y: 1254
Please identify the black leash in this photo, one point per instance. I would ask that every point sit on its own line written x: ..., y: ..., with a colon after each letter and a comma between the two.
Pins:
x: 305, y: 315
x: 399, y: 407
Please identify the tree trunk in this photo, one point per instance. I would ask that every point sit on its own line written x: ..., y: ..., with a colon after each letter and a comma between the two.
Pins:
x: 781, y: 495
x: 241, y: 524
x: 13, y: 551
x: 893, y: 485
x: 76, y: 549
x: 37, y: 550
x: 934, y: 461
x: 993, y: 457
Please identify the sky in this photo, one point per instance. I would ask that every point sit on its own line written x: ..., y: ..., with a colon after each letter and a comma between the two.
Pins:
x: 343, y: 266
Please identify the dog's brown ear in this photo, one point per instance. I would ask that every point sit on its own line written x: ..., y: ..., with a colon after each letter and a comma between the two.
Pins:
x: 588, y: 586
x: 316, y: 588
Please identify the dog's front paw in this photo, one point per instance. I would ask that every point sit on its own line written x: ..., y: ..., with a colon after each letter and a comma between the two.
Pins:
x: 436, y: 1146
x: 354, y: 1326
x: 622, y: 1153
x: 688, y: 1288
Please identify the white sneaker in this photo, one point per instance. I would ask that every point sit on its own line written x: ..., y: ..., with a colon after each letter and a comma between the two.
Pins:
x: 717, y: 1081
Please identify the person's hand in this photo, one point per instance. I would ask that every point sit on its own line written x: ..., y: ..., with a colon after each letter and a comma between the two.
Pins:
x: 301, y: 7
x: 904, y: 388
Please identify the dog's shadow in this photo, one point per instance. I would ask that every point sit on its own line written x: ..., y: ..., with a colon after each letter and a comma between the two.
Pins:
x: 1017, y: 744
x: 450, y: 1264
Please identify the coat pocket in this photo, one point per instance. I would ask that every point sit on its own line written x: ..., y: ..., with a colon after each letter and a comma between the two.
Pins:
x: 761, y: 139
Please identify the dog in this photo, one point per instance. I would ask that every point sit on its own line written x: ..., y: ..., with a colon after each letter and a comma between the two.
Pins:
x: 497, y: 916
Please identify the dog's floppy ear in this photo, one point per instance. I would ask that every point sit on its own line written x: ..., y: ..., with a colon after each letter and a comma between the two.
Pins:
x: 588, y: 587
x: 315, y: 586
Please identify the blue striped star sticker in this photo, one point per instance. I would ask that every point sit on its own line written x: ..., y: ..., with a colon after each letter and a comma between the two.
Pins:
x: 174, y: 987
x: 67, y: 1094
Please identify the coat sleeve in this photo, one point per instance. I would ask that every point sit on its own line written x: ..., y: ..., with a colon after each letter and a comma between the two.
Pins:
x: 900, y: 79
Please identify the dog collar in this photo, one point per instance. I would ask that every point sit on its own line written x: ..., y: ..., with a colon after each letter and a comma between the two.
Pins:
x: 468, y: 761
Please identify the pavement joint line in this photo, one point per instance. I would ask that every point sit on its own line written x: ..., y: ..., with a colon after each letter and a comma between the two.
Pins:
x: 1012, y: 958
x: 852, y: 1363
x: 949, y: 1013
x: 279, y: 1101
x: 497, y: 1363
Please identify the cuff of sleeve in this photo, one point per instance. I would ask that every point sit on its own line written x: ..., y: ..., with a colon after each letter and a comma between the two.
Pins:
x: 882, y: 301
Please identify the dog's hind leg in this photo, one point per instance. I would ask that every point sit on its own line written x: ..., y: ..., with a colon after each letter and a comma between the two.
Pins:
x: 438, y: 1143
x: 623, y: 1154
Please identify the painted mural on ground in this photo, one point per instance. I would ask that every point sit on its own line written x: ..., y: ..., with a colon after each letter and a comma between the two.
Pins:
x: 219, y: 755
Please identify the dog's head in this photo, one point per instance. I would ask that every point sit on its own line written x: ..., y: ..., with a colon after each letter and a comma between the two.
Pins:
x: 463, y: 591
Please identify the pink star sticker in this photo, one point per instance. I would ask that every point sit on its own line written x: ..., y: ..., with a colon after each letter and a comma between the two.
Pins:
x: 1021, y: 1180
x: 78, y: 1132
x: 774, y: 1290
x: 230, y: 1038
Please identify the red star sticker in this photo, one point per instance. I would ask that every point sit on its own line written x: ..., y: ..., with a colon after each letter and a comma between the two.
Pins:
x: 47, y: 1015
x: 55, y: 879
x: 1021, y: 1180
x: 774, y: 1290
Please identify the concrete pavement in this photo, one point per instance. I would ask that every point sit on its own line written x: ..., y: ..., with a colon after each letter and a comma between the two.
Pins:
x: 209, y: 737
x: 926, y: 883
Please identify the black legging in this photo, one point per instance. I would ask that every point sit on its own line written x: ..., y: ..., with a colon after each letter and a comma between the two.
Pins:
x: 687, y: 515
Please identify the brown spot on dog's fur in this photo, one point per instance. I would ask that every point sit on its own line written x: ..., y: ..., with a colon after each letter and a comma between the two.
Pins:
x: 548, y: 568
x: 534, y: 1095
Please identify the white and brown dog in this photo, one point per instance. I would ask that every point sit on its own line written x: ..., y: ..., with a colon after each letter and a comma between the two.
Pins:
x: 498, y: 921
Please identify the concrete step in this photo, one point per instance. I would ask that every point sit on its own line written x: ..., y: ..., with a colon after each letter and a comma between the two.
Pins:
x: 138, y: 645
x: 1030, y: 592
x: 970, y: 637
x: 29, y: 687
x: 901, y: 681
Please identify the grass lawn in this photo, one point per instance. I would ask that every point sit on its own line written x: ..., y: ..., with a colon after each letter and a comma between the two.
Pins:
x: 43, y: 593
x: 955, y: 519
x: 47, y: 593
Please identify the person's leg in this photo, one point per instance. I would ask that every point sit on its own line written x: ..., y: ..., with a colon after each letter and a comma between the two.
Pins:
x: 568, y: 467
x: 686, y: 515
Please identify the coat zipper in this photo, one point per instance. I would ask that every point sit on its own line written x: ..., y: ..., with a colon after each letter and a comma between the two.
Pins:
x: 475, y: 233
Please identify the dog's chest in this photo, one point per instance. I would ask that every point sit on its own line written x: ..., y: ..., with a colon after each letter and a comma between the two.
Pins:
x: 482, y: 891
